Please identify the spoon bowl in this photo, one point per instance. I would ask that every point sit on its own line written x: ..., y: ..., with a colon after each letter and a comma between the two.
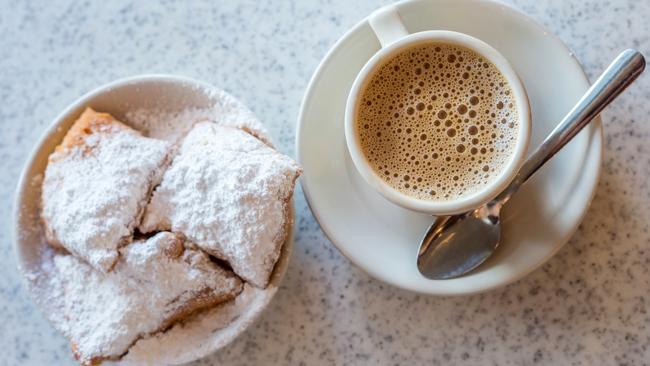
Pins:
x: 441, y: 258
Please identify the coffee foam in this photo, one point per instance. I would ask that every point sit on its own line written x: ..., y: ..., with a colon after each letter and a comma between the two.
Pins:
x: 437, y: 122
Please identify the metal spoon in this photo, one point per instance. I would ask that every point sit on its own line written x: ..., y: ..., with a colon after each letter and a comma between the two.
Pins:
x: 454, y: 245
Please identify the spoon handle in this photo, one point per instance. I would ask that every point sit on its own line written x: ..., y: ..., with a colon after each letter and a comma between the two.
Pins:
x: 618, y: 76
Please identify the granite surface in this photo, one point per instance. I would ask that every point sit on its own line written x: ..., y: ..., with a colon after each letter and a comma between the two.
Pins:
x: 586, y: 306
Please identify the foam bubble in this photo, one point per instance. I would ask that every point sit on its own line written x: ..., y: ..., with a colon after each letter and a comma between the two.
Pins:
x: 437, y: 122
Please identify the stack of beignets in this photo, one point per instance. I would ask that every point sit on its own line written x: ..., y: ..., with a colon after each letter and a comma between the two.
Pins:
x: 152, y: 233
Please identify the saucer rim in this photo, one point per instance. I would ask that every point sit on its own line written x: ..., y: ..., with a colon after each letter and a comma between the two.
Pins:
x: 598, y: 139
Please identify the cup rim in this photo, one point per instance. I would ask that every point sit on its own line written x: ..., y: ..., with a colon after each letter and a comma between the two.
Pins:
x: 474, y: 199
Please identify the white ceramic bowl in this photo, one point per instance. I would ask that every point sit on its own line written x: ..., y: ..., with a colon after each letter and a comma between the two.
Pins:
x: 147, y: 91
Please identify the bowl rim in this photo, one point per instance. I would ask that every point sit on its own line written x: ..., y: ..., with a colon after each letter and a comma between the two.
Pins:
x: 24, y: 185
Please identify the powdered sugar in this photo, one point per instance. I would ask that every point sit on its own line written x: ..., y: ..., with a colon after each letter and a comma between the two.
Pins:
x: 227, y: 191
x: 173, y: 125
x: 185, y: 341
x: 104, y: 314
x: 167, y: 125
x: 94, y: 189
x: 214, y: 327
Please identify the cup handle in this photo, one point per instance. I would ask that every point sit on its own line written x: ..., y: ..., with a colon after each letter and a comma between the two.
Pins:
x: 387, y: 25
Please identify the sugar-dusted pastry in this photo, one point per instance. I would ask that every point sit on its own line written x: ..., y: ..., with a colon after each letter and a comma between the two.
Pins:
x: 96, y: 186
x: 156, y: 283
x: 229, y: 193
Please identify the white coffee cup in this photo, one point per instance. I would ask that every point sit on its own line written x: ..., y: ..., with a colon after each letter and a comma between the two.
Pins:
x: 394, y: 38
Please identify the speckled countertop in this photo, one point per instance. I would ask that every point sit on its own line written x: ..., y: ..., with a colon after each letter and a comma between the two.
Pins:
x: 588, y: 305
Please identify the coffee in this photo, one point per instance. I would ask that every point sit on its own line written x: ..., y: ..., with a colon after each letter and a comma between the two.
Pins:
x: 437, y: 121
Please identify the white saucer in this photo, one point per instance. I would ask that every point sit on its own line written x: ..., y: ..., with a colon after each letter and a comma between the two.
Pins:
x: 382, y: 238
